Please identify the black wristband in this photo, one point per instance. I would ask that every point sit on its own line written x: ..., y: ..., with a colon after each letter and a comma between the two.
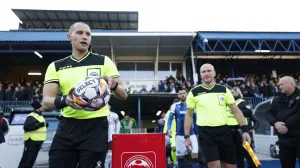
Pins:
x: 60, y: 102
x: 42, y: 124
x: 186, y: 136
x: 116, y: 86
x: 244, y: 128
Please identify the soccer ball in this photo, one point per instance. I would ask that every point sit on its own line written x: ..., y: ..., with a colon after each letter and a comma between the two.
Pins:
x: 91, y: 94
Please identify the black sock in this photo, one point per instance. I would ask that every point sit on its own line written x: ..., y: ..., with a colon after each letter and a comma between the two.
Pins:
x: 195, y: 163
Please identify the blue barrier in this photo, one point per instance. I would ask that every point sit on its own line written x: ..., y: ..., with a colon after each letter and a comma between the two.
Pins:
x: 254, y: 101
x: 7, y: 106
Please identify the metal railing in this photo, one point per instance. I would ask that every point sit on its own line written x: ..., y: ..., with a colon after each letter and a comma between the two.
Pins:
x: 7, y: 106
x: 254, y: 101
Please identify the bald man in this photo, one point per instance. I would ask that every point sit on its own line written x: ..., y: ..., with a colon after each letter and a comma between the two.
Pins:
x: 210, y: 102
x: 284, y: 115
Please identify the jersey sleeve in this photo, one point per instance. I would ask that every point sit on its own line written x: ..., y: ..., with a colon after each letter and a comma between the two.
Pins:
x: 166, y: 123
x: 229, y: 97
x: 115, y: 117
x: 172, y: 108
x: 190, y: 101
x: 110, y: 68
x: 51, y: 74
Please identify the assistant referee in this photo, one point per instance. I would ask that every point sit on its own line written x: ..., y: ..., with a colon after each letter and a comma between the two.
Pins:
x: 81, y: 137
x: 210, y: 100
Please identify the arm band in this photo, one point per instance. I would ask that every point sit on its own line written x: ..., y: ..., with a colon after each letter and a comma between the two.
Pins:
x: 60, y: 102
x: 244, y: 128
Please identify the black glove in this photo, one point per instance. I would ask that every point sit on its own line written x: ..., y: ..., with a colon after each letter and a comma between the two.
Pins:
x: 47, y: 125
x: 41, y: 124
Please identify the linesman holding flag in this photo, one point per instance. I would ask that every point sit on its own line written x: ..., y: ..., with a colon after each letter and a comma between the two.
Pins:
x: 210, y: 100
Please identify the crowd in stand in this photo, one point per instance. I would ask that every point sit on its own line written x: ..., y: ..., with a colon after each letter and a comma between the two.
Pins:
x: 247, y: 86
x: 21, y: 91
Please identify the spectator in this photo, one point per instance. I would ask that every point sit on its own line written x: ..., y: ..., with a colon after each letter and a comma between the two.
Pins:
x: 178, y: 85
x: 161, y: 86
x: 161, y: 123
x: 172, y: 88
x: 273, y: 90
x: 255, y: 90
x: 170, y: 80
x: 19, y: 85
x: 190, y: 81
x: 166, y: 88
x: 130, y: 90
x: 184, y: 87
x: 1, y: 94
x: 127, y: 124
x: 189, y: 85
x: 8, y: 94
x: 244, y: 91
x: 153, y: 90
x: 3, y: 127
x: 28, y: 92
x: 38, y: 95
x: 143, y: 90
x: 18, y: 95
x: 238, y: 91
x: 181, y: 78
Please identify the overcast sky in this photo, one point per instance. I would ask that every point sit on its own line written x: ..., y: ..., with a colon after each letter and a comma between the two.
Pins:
x: 173, y: 15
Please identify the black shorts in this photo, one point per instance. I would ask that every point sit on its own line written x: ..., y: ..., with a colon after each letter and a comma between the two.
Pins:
x: 217, y: 144
x: 79, y: 141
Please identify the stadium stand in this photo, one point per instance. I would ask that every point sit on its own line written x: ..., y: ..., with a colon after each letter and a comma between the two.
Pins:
x: 63, y: 19
x: 177, y: 54
x: 153, y: 65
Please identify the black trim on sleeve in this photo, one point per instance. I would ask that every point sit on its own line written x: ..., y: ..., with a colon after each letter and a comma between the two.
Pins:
x: 52, y: 81
x: 115, y: 76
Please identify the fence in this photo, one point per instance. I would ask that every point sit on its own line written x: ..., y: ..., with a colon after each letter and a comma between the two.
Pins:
x: 254, y: 101
x: 7, y: 106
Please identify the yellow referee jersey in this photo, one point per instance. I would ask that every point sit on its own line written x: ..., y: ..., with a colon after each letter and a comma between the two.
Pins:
x: 68, y: 71
x: 210, y: 104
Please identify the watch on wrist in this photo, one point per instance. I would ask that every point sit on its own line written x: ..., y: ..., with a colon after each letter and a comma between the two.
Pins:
x: 186, y: 136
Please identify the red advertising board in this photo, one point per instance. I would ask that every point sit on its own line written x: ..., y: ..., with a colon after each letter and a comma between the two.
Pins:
x: 138, y: 151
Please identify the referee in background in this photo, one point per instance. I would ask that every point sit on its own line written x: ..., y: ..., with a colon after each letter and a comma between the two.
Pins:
x: 210, y: 100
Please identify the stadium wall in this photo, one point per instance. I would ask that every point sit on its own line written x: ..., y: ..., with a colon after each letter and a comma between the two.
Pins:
x: 15, y: 73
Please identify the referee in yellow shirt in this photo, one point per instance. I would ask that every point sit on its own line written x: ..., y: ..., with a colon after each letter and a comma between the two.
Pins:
x: 81, y: 136
x: 210, y: 100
